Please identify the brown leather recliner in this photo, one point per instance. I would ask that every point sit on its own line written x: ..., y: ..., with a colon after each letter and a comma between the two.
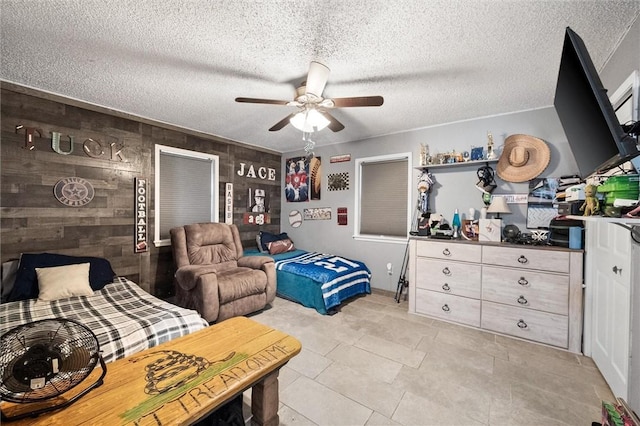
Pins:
x: 214, y: 278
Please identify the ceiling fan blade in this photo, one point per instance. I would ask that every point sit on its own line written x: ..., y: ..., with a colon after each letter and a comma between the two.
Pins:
x: 362, y: 101
x: 262, y: 101
x: 317, y: 79
x: 280, y: 124
x: 334, y: 124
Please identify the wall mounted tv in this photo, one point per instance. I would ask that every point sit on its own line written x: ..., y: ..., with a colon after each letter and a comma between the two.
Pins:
x: 596, y: 138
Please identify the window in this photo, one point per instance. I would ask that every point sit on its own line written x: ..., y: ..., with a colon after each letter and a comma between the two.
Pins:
x: 383, y: 197
x: 185, y: 190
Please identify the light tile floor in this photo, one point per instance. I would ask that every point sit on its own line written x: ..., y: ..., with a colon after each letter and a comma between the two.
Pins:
x: 372, y: 363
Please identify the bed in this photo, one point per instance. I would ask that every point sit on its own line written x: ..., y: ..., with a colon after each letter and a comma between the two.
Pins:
x: 317, y: 280
x: 125, y: 318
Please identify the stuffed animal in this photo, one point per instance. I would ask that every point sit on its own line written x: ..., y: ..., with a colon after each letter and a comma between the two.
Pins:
x: 591, y: 205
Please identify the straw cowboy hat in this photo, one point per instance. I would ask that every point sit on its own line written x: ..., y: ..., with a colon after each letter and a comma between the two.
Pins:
x: 523, y: 158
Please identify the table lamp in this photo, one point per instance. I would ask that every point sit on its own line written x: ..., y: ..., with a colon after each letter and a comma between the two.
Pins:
x: 499, y: 205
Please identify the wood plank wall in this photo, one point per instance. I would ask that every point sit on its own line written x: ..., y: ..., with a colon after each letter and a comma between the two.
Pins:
x: 34, y: 221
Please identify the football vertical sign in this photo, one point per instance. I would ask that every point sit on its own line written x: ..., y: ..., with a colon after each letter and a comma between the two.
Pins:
x: 141, y: 215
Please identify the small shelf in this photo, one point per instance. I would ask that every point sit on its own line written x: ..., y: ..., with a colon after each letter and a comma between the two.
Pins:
x: 462, y: 164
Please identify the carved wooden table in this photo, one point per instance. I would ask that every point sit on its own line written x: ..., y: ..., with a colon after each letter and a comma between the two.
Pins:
x: 184, y: 380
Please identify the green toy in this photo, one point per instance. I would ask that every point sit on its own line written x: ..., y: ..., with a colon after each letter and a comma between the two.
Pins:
x: 591, y: 205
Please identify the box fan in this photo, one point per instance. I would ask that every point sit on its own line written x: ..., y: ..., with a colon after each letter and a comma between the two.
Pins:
x: 42, y: 360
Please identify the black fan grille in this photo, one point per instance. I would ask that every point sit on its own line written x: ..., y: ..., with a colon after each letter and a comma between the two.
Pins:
x: 46, y: 358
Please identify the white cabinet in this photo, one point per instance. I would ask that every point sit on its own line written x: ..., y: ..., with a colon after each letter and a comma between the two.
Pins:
x: 612, y: 307
x: 533, y: 293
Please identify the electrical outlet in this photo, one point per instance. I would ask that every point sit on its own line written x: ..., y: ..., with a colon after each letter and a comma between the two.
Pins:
x: 389, y: 269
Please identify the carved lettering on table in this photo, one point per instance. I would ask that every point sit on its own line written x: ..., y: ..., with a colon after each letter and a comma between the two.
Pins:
x: 184, y: 383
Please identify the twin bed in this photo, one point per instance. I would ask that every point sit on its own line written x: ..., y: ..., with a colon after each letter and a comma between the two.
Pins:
x: 317, y: 280
x: 125, y: 318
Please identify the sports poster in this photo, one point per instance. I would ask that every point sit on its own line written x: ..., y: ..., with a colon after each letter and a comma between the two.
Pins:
x: 303, y: 181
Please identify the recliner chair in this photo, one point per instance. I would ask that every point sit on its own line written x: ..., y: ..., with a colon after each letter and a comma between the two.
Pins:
x: 214, y: 278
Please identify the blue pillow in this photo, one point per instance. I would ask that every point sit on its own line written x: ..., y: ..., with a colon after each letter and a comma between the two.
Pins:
x: 267, y: 237
x: 26, y: 284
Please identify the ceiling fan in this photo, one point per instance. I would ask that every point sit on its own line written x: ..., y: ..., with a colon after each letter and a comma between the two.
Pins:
x: 312, y: 114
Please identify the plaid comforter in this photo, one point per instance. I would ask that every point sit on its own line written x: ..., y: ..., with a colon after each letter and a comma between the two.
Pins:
x: 125, y: 318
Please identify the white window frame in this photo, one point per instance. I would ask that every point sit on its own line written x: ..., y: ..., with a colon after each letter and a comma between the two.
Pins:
x: 215, y: 179
x: 404, y: 156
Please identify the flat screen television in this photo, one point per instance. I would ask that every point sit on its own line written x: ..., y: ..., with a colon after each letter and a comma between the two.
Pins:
x: 596, y: 138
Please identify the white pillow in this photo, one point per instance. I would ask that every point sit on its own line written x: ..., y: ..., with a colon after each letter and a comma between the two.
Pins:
x: 59, y: 282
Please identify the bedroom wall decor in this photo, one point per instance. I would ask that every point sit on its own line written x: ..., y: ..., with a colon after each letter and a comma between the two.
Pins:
x: 264, y: 173
x: 110, y: 150
x: 342, y: 215
x: 295, y: 218
x: 340, y: 158
x: 228, y: 203
x: 304, y: 179
x: 338, y: 181
x: 140, y: 196
x: 74, y: 191
x: 318, y: 213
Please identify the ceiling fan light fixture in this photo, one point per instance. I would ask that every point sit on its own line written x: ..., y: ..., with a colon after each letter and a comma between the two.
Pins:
x: 309, y: 120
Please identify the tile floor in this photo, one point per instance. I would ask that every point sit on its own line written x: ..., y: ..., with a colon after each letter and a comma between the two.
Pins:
x: 372, y: 363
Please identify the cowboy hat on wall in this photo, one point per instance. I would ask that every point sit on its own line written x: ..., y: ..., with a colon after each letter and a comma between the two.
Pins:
x: 524, y: 158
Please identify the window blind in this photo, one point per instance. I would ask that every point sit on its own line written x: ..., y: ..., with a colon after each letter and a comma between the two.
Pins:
x: 186, y: 191
x: 383, y: 198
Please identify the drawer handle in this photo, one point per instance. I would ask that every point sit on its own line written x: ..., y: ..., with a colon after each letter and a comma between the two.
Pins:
x: 446, y: 308
x: 522, y: 324
x: 446, y: 252
x: 446, y: 287
x: 522, y: 300
x: 523, y: 282
x: 523, y: 259
x: 446, y: 271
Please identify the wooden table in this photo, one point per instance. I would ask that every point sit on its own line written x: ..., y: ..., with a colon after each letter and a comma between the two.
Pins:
x: 183, y: 380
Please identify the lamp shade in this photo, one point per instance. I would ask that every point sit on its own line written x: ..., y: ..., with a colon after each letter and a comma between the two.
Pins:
x: 499, y: 205
x: 309, y: 120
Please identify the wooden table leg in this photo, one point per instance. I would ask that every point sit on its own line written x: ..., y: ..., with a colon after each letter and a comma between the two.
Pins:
x: 264, y: 401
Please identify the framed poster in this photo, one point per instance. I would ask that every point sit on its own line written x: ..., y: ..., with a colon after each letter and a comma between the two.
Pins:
x: 303, y: 181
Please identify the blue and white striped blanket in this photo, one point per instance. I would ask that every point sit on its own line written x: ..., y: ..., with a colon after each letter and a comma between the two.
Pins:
x: 338, y: 277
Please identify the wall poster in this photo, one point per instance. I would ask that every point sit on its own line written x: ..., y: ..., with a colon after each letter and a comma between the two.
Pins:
x: 303, y: 181
x: 257, y: 207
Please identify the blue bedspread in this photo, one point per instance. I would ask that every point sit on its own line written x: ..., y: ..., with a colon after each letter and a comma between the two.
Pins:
x: 319, y: 281
x: 339, y: 278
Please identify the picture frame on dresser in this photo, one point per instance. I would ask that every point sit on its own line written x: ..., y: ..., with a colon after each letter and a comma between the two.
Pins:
x: 471, y: 229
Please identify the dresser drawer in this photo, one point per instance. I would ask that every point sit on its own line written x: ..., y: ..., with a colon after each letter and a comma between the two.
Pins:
x: 449, y: 250
x: 526, y: 288
x: 448, y: 307
x: 519, y: 257
x: 444, y: 276
x: 543, y: 327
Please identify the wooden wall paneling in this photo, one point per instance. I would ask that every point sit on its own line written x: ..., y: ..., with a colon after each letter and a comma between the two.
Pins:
x: 32, y: 220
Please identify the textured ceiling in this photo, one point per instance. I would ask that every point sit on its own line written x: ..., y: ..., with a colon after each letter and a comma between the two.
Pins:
x: 184, y: 62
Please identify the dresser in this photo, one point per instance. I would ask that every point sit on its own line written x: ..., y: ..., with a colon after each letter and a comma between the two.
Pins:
x: 529, y: 292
